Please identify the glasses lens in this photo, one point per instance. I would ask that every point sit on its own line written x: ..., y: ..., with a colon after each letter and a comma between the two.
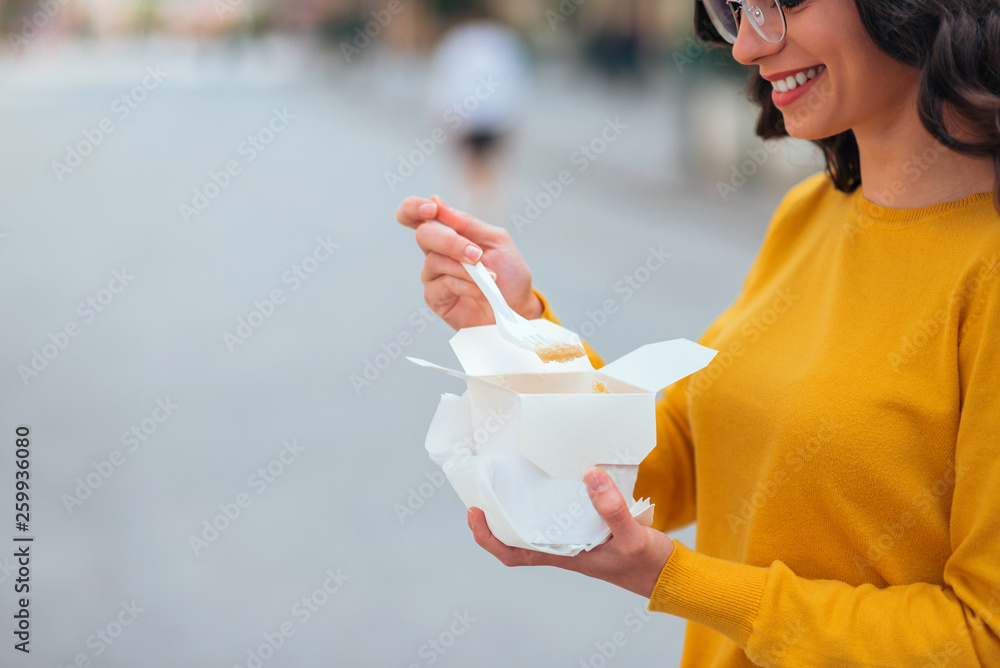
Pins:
x: 767, y: 19
x: 722, y: 18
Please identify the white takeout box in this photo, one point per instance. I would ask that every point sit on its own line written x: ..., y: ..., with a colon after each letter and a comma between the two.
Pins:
x: 519, y: 441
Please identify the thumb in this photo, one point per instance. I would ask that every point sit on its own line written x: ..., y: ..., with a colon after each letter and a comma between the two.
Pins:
x: 610, y: 504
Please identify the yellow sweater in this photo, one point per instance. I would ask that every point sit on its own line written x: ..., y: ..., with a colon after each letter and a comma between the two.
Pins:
x: 841, y: 454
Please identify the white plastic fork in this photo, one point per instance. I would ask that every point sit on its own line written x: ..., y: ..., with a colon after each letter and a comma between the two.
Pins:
x: 519, y: 331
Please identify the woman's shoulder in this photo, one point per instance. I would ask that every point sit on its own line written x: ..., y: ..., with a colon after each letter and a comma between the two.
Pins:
x: 802, y: 209
x: 813, y: 193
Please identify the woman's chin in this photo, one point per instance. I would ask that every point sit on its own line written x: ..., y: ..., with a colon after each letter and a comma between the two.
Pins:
x: 810, y: 131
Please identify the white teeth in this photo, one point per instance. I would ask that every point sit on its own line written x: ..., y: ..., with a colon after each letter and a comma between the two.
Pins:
x: 799, y: 79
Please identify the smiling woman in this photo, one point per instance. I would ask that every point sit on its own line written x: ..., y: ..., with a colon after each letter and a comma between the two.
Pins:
x: 938, y: 60
x: 839, y: 454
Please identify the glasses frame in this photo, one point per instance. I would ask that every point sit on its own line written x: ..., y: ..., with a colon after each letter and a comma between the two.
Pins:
x: 741, y: 6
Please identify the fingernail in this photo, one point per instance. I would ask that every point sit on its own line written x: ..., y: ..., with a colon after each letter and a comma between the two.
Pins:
x: 492, y: 274
x: 597, y: 480
x: 473, y: 253
x: 428, y: 210
x: 468, y: 517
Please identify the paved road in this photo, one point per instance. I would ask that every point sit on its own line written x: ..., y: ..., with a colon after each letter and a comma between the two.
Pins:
x: 185, y: 306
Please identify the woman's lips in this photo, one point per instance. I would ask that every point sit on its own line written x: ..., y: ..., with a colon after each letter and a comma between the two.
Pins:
x: 787, y: 96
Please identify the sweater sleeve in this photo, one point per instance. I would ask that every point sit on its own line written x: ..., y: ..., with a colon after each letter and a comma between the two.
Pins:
x: 780, y: 619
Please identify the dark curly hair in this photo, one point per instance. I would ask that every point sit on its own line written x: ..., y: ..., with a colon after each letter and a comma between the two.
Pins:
x: 956, y: 46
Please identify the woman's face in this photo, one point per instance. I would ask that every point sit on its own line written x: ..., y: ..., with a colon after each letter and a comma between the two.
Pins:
x: 841, y: 79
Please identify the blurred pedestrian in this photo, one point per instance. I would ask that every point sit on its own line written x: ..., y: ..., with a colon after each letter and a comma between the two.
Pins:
x: 478, y: 82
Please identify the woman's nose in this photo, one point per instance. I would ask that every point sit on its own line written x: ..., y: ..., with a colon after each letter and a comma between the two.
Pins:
x: 750, y: 46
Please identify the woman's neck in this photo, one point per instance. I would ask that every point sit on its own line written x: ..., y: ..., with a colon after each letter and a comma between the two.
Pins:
x: 904, y: 167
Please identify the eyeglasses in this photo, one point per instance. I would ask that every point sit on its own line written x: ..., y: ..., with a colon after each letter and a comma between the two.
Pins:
x: 766, y: 18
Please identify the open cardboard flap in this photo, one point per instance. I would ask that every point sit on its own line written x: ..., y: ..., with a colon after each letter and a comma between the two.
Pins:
x: 517, y: 443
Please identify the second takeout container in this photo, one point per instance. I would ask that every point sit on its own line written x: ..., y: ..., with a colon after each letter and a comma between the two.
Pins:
x: 519, y: 441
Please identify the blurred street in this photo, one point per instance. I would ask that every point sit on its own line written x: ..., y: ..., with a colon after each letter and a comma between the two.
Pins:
x: 228, y: 258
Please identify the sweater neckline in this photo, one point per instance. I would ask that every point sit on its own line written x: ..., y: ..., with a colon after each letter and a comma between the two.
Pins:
x: 874, y: 215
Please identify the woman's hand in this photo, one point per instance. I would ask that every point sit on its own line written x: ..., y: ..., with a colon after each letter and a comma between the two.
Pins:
x: 632, y: 558
x: 450, y: 238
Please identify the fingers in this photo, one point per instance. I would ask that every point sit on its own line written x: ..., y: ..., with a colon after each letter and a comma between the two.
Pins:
x: 611, y: 506
x: 416, y: 210
x: 508, y: 556
x: 445, y: 289
x: 468, y: 225
x: 437, y: 265
x: 456, y: 234
x: 434, y: 237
